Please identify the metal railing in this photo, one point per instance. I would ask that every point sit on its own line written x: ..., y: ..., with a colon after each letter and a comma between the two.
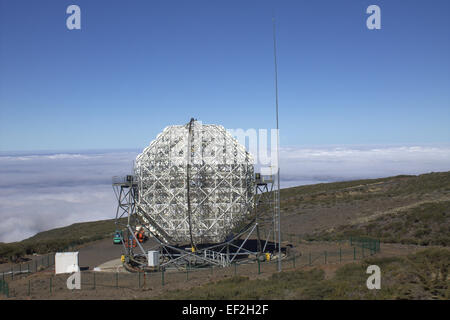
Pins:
x: 220, y: 258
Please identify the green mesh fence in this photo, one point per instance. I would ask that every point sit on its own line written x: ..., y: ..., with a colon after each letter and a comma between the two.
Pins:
x: 355, y: 248
x: 368, y: 245
x: 4, y: 288
x: 91, y: 280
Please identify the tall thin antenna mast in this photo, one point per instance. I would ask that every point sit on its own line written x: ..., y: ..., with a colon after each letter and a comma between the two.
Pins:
x: 277, y: 192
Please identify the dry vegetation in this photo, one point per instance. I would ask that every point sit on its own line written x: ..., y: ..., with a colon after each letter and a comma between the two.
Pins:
x: 423, y: 275
x: 403, y: 209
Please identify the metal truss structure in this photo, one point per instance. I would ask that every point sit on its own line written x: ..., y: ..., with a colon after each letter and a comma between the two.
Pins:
x: 125, y: 190
x: 195, y: 192
x: 195, y: 184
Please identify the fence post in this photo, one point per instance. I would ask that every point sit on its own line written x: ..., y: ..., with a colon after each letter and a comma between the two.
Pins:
x: 29, y: 287
x: 363, y: 250
x: 293, y: 261
x: 162, y: 277
x: 340, y: 255
x: 354, y: 253
x: 235, y: 269
x: 259, y: 267
x: 139, y: 285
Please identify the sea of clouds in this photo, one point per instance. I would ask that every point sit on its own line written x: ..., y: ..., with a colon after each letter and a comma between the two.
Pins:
x: 44, y: 190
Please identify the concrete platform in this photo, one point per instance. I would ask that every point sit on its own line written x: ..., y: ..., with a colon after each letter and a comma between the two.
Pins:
x: 111, y: 266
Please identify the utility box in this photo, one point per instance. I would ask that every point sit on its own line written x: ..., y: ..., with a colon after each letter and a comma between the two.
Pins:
x: 153, y: 258
x: 66, y: 262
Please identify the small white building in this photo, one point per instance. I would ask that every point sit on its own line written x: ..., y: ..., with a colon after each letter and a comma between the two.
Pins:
x: 153, y: 258
x: 66, y: 262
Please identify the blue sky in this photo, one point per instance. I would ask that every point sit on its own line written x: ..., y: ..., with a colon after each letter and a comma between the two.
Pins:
x: 138, y: 66
x: 354, y: 103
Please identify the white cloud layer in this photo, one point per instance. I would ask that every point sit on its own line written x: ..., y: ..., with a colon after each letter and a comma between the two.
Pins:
x: 300, y: 166
x: 42, y: 191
